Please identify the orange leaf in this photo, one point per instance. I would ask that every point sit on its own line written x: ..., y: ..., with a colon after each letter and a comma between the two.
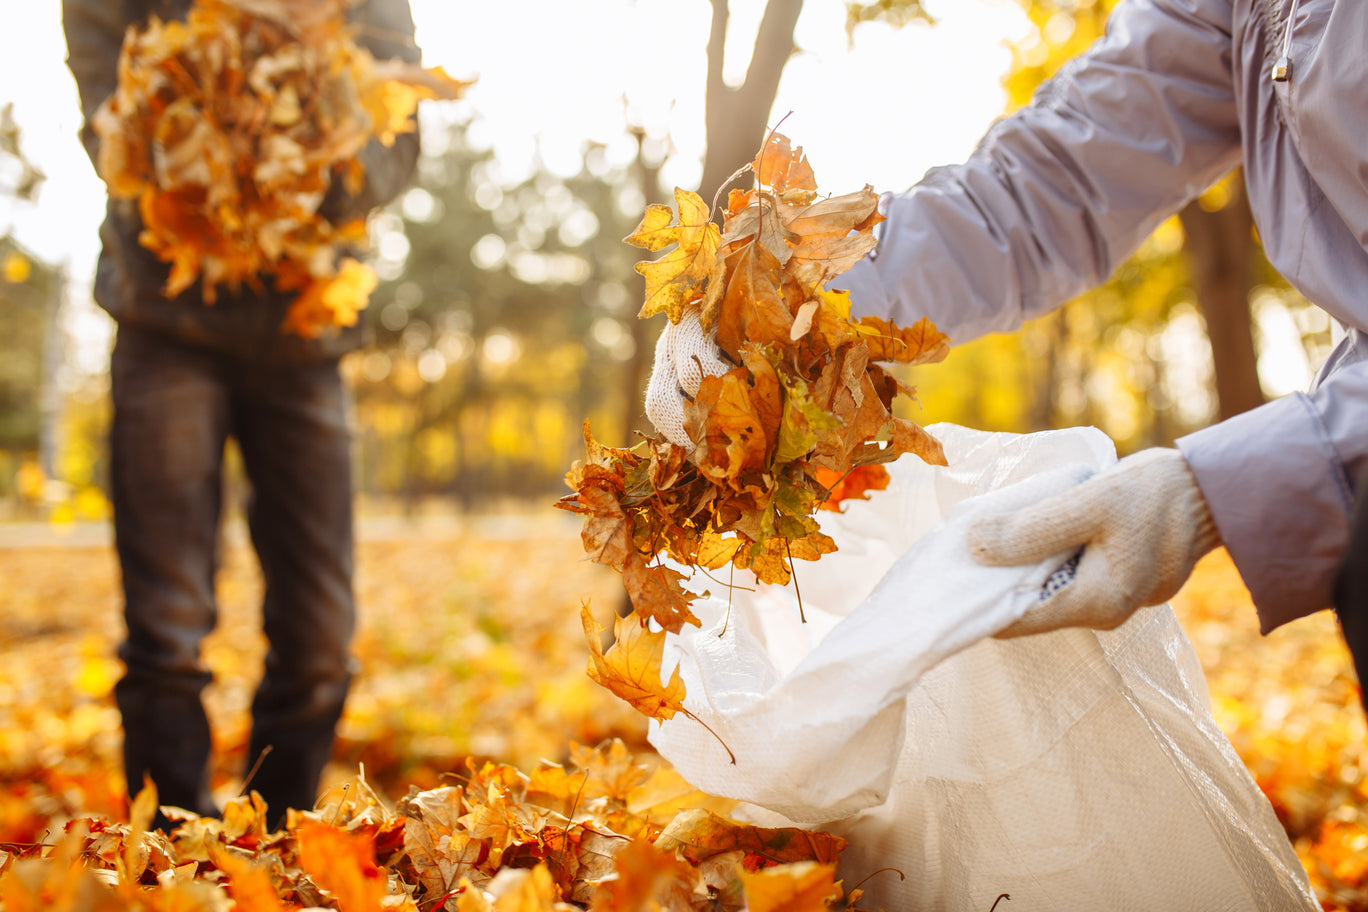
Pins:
x: 784, y: 168
x: 854, y: 484
x: 647, y: 879
x: 344, y: 865
x: 804, y: 886
x: 631, y: 669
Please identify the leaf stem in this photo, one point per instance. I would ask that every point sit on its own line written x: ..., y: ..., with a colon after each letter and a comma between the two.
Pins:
x: 793, y: 572
x: 711, y: 732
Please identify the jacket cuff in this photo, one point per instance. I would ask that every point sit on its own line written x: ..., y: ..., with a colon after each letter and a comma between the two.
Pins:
x: 1281, y: 502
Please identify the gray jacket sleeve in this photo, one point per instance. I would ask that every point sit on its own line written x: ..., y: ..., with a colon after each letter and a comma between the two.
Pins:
x: 1280, y: 483
x: 1057, y: 195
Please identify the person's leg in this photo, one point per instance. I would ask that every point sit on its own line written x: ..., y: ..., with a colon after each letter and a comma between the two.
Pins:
x: 166, y: 448
x: 1351, y: 590
x: 291, y: 425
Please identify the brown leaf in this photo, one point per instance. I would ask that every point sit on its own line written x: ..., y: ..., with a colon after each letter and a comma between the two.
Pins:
x: 656, y: 593
x: 607, y: 530
x: 753, y: 308
x: 697, y: 834
x: 920, y: 343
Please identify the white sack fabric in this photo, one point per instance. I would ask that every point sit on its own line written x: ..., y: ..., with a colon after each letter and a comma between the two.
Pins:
x: 1075, y: 770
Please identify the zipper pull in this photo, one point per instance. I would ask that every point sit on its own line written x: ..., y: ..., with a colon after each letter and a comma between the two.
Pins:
x: 1282, y: 69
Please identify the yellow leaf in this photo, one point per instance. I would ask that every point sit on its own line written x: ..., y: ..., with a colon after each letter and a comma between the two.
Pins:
x: 679, y: 277
x: 804, y: 886
x: 631, y: 668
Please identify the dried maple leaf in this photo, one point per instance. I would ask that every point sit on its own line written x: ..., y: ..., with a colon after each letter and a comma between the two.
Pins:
x: 681, y: 276
x: 631, y: 667
x: 441, y: 855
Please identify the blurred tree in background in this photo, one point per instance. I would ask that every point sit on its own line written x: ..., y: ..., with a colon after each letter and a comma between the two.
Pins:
x: 30, y: 295
x: 506, y: 314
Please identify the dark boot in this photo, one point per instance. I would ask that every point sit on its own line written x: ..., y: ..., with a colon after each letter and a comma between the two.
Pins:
x: 166, y: 739
x: 292, y: 737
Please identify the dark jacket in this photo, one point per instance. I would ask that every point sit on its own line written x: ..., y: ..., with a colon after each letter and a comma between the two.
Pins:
x: 129, y: 278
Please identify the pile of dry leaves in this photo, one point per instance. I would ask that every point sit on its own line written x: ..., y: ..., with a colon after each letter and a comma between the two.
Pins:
x: 605, y: 833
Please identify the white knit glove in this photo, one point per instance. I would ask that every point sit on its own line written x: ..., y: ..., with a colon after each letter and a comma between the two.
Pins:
x: 684, y: 355
x: 1142, y: 524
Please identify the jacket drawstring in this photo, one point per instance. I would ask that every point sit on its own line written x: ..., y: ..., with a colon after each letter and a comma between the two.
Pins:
x: 1282, y: 68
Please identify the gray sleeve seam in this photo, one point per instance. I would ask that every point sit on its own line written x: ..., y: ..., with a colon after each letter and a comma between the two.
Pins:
x: 1336, y: 461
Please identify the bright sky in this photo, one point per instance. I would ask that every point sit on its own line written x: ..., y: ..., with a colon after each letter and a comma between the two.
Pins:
x: 555, y: 73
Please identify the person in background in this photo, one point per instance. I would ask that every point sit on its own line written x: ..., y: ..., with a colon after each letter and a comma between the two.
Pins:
x: 1174, y: 96
x: 185, y: 377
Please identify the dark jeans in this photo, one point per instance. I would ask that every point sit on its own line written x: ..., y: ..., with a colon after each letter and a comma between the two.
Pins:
x: 1351, y: 590
x: 175, y: 405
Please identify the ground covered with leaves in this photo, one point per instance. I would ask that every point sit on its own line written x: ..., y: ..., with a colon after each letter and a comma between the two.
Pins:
x: 478, y: 767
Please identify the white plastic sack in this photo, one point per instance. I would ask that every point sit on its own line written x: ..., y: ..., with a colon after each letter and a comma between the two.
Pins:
x: 1076, y: 770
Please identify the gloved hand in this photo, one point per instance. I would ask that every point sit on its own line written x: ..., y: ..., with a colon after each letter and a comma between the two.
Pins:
x: 1142, y: 524
x: 684, y: 355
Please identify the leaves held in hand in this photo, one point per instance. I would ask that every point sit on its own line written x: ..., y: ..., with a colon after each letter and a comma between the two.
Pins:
x: 802, y: 422
x: 230, y: 129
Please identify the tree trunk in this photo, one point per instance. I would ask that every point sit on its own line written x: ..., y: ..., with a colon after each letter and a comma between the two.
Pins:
x: 1220, y: 249
x: 644, y: 332
x: 736, y: 119
x: 50, y: 395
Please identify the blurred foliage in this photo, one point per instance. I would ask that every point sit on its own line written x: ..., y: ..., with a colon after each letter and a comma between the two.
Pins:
x: 502, y: 326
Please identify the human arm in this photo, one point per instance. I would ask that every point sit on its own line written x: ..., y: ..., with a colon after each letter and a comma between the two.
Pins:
x: 1280, y: 480
x: 385, y: 28
x: 94, y: 32
x: 1061, y: 192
